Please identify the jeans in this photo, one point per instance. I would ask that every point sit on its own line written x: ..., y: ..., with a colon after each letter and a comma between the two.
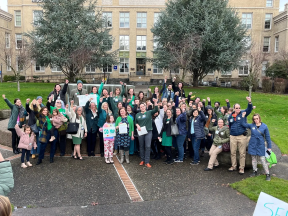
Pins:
x: 15, y: 139
x: 180, y: 142
x: 196, y: 145
x: 91, y: 142
x: 145, y: 146
x: 37, y: 150
x: 27, y: 152
x: 44, y: 145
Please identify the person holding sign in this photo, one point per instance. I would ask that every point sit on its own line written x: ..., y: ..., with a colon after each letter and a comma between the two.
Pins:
x: 78, y: 91
x: 108, y: 131
x: 125, y: 133
x: 256, y: 147
x: 143, y: 121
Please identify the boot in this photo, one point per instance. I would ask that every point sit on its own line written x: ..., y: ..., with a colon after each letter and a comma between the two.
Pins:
x: 23, y: 165
x: 39, y: 161
x: 107, y: 161
x: 29, y: 164
x: 111, y: 160
x: 127, y: 157
x: 122, y: 156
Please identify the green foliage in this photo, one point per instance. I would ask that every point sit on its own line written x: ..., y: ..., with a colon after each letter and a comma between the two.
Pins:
x: 48, y: 81
x: 252, y: 187
x: 277, y: 70
x: 280, y: 85
x: 12, y: 78
x: 70, y: 35
x: 217, y: 27
x: 266, y: 85
x: 249, y: 80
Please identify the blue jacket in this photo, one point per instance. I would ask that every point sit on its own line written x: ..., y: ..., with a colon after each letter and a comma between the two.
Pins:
x: 181, y: 123
x: 235, y: 126
x: 198, y: 126
x: 164, y: 92
x: 101, y: 116
x: 257, y: 141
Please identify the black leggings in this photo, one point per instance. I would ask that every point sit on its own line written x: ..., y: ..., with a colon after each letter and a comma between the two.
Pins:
x: 27, y: 152
x: 156, y: 146
x: 101, y: 142
x: 168, y: 152
x: 15, y: 139
x: 124, y: 148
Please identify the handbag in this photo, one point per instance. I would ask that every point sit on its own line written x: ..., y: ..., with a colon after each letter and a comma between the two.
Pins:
x: 63, y: 129
x: 174, y: 129
x: 34, y: 128
x: 72, y: 127
x: 226, y: 147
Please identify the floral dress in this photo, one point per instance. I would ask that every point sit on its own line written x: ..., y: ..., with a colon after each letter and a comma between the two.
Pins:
x: 123, y: 139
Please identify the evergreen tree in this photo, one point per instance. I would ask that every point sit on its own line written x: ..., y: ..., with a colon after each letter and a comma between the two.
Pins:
x: 70, y: 35
x: 198, y: 36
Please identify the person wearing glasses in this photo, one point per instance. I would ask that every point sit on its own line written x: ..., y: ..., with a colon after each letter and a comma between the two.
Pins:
x: 238, y: 135
x: 256, y: 147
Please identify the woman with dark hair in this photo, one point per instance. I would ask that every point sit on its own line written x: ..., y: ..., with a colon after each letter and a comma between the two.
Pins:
x: 45, y: 134
x: 131, y: 97
x: 141, y: 97
x: 123, y: 139
x: 94, y: 90
x: 118, y: 94
x: 256, y: 147
x: 57, y: 93
x: 178, y: 88
x: 156, y: 94
x: 18, y: 116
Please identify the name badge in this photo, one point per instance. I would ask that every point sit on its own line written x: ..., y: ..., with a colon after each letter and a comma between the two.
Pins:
x: 132, y: 102
x: 238, y: 118
x: 76, y: 93
x: 253, y: 128
x: 82, y: 128
x: 222, y: 133
x: 195, y: 120
x: 116, y: 99
x: 30, y: 144
x: 167, y: 122
x: 139, y: 117
x: 206, y: 116
x: 231, y: 120
x: 92, y: 117
x: 217, y: 132
x: 144, y: 116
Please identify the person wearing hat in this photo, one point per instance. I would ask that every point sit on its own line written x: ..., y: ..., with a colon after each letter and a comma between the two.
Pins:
x: 78, y: 91
x: 39, y: 100
x: 58, y: 93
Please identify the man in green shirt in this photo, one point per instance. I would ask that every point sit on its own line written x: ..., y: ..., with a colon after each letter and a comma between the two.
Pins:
x: 143, y: 120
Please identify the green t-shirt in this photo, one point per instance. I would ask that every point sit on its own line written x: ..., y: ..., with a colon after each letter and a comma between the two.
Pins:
x: 49, y: 125
x: 145, y: 119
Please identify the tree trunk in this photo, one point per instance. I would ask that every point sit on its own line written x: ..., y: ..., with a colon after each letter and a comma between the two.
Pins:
x: 18, y: 85
x: 195, y: 78
x: 250, y: 90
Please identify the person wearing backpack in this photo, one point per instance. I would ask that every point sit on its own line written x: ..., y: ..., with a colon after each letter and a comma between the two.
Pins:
x: 259, y: 134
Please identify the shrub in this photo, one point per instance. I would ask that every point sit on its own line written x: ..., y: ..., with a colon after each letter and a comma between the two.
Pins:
x: 279, y: 85
x: 266, y: 85
x: 48, y: 81
x: 12, y: 78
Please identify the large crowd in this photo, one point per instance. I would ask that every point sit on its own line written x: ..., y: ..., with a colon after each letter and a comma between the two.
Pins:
x: 167, y: 122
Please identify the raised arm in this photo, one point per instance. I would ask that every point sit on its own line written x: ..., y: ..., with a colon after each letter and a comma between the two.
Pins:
x: 65, y: 87
x: 123, y: 90
x: 163, y: 87
x: 243, y: 121
x: 100, y: 88
x: 227, y: 103
x: 249, y: 107
x: 155, y: 107
x: 7, y: 102
x: 211, y: 125
x: 19, y: 131
x: 27, y: 106
x: 87, y: 106
x: 173, y: 85
x: 113, y: 105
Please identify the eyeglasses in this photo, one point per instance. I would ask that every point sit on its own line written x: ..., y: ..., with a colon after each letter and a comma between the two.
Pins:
x: 58, y: 102
x: 237, y: 107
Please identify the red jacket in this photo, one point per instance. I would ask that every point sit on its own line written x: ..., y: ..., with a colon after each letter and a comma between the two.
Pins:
x: 26, y: 142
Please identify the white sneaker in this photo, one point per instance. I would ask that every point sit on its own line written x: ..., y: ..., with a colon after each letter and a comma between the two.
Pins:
x: 107, y: 161
x: 23, y: 165
x: 111, y: 160
x: 52, y: 139
x: 29, y: 164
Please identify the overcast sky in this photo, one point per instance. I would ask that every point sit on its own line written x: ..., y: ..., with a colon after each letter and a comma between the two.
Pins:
x: 3, y: 4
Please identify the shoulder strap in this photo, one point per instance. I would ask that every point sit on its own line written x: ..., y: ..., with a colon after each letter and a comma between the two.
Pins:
x: 261, y: 133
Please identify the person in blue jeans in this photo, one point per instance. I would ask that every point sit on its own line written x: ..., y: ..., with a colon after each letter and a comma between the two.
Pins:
x: 196, y: 132
x: 181, y: 119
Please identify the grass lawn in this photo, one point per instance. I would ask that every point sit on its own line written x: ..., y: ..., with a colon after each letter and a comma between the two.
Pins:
x: 251, y: 187
x: 272, y: 108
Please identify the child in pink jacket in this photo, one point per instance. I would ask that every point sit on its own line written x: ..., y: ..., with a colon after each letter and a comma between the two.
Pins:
x: 57, y: 120
x: 27, y: 141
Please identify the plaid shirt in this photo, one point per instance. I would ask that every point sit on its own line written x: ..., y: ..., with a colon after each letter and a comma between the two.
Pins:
x: 42, y: 124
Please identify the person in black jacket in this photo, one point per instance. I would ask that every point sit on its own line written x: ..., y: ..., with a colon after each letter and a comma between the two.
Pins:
x: 58, y: 93
x: 179, y: 88
x: 155, y: 145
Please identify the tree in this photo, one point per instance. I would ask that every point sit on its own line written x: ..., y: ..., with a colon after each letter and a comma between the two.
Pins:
x: 215, y: 33
x: 16, y: 56
x: 71, y: 34
x: 277, y: 70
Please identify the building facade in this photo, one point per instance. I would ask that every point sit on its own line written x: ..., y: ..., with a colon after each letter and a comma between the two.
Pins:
x: 130, y: 22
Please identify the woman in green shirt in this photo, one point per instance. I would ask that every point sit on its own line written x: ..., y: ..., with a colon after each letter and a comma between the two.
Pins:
x: 131, y: 97
x: 119, y: 93
x: 143, y: 121
x: 94, y: 90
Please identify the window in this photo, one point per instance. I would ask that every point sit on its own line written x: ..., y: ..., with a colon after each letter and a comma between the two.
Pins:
x: 243, y: 70
x: 269, y: 3
x: 90, y: 69
x: 107, y: 69
x: 124, y: 65
x: 141, y: 20
x: 108, y: 42
x: 18, y: 41
x: 276, y: 44
x: 141, y: 43
x: 8, y: 63
x: 124, y: 42
x: 39, y: 68
x: 268, y: 19
x: 37, y: 15
x: 247, y: 20
x: 155, y: 42
x: 156, y: 17
x: 17, y: 18
x: 7, y: 40
x: 175, y: 71
x: 56, y: 69
x: 156, y: 70
x: 124, y: 20
x: 107, y: 19
x: 266, y: 44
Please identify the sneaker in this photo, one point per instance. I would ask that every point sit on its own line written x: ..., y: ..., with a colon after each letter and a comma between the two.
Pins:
x: 231, y: 169
x: 241, y: 171
x: 194, y: 163
x: 107, y: 161
x: 148, y: 165
x: 52, y: 139
x: 23, y: 165
x: 268, y: 178
x: 178, y: 161
x: 170, y: 162
x: 208, y: 169
x: 141, y: 163
x: 33, y: 156
x: 111, y: 160
x: 29, y: 164
x: 253, y: 174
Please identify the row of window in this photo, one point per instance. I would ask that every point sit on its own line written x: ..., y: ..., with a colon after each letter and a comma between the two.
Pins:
x: 248, y: 17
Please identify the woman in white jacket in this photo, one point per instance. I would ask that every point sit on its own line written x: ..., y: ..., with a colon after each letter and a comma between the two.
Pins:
x: 82, y: 130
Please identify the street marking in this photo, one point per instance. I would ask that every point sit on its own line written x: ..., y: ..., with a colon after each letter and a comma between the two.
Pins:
x: 5, y: 148
x: 13, y: 157
x: 129, y: 186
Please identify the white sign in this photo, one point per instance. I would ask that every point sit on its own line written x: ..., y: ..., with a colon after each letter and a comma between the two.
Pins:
x: 84, y: 98
x: 270, y: 206
x: 109, y: 130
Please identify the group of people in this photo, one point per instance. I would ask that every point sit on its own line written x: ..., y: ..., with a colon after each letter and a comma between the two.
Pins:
x: 163, y: 121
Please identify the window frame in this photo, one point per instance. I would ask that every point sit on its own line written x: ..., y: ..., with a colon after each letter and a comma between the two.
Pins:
x: 109, y: 38
x: 125, y: 13
x: 18, y: 15
x: 268, y: 44
x: 155, y: 67
x: 276, y: 43
x: 246, y: 14
x: 16, y: 39
x: 173, y: 71
x: 142, y: 41
x: 125, y: 45
x: 125, y: 72
x: 156, y: 17
x: 41, y: 70
x: 269, y: 1
x: 107, y: 66
x: 55, y: 71
x: 243, y: 70
x: 7, y: 38
x: 107, y: 19
x: 142, y: 18
x: 270, y: 21
x: 91, y: 71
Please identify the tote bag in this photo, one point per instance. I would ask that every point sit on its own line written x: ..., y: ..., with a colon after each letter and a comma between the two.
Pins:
x: 174, y: 129
x: 72, y: 127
